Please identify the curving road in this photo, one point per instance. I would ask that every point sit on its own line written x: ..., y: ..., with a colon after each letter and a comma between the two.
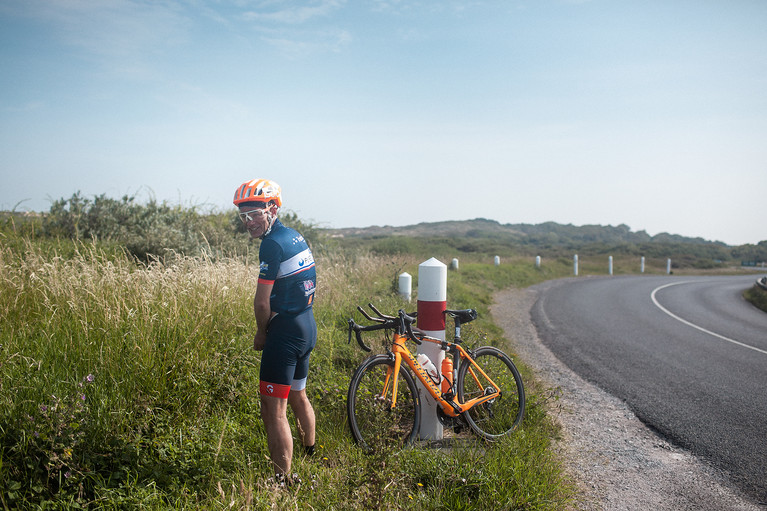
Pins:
x: 687, y: 354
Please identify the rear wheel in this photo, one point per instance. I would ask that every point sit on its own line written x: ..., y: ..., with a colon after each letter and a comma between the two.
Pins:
x: 498, y: 416
x: 374, y: 423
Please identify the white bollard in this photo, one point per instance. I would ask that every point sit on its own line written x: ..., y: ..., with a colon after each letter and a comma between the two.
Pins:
x: 432, y: 302
x: 454, y: 264
x: 610, y: 264
x: 406, y: 286
x: 575, y: 265
x: 641, y: 265
x: 537, y: 261
x: 668, y: 266
x: 497, y: 261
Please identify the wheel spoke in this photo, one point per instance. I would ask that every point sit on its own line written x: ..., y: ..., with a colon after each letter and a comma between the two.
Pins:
x: 502, y: 414
x: 373, y: 420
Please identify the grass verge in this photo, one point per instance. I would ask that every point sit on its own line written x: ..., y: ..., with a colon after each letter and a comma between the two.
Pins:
x: 134, y: 386
x: 757, y: 296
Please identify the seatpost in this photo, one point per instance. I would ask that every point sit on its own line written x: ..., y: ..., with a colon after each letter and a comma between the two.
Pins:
x: 457, y: 336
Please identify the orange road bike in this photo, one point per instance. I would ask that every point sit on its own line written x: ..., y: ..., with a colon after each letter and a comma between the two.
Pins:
x: 484, y: 389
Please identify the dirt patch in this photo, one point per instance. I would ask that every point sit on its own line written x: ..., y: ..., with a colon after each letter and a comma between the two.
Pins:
x: 616, y: 461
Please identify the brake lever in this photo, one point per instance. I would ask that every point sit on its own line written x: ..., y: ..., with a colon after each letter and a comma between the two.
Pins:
x: 380, y: 314
x: 368, y: 316
x: 408, y: 321
x: 354, y: 326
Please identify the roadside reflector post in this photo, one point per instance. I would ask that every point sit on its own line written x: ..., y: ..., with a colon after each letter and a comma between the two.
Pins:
x: 405, y: 286
x: 432, y: 302
x: 497, y: 260
x: 454, y: 264
x: 575, y: 265
x: 641, y: 265
x: 537, y: 261
x: 610, y: 264
x: 668, y: 266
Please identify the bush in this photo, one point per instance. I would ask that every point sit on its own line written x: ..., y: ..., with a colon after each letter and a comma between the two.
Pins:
x: 757, y: 296
x: 155, y: 229
x: 146, y: 230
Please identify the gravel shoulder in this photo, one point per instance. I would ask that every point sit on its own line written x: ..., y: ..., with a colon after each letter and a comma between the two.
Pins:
x: 614, y: 459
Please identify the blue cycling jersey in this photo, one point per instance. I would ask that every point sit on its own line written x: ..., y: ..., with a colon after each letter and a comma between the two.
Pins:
x: 288, y: 264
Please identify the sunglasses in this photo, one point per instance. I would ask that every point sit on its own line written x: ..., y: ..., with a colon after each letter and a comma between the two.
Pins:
x: 247, y: 216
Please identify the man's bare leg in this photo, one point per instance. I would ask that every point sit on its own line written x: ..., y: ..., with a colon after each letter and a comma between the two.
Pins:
x: 278, y: 437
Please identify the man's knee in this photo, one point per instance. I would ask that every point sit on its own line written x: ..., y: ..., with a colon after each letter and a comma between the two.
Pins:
x: 298, y: 400
x: 273, y: 408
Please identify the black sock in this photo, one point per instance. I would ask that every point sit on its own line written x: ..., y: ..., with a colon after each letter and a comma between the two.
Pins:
x: 309, y: 449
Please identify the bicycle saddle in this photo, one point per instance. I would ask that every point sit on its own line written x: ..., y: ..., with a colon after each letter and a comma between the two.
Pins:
x: 463, y: 316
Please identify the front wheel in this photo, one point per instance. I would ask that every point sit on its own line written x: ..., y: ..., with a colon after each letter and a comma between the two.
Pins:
x: 373, y: 420
x: 498, y: 416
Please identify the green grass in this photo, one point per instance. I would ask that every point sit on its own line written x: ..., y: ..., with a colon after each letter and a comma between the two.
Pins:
x: 127, y: 385
x: 757, y: 296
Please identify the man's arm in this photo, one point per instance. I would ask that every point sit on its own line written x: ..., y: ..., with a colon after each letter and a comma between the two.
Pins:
x: 263, y: 312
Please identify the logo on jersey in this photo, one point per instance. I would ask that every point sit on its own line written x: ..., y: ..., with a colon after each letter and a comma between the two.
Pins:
x: 308, y: 286
x: 306, y: 261
x: 296, y: 264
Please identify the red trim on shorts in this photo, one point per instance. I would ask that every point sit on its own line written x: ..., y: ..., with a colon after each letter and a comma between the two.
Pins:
x: 274, y: 390
x: 265, y: 281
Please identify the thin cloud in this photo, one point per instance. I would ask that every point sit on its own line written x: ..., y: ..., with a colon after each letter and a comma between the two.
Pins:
x: 296, y: 31
x: 302, y: 45
x: 293, y: 15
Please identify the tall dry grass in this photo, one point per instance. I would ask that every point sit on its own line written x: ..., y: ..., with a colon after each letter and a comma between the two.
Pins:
x: 130, y: 385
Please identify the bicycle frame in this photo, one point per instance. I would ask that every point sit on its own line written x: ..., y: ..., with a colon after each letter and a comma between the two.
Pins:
x: 451, y: 407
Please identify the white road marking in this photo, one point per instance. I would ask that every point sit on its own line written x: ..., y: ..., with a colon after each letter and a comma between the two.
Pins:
x: 661, y: 307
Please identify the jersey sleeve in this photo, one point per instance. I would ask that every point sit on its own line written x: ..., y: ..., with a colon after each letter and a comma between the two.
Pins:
x: 269, y: 256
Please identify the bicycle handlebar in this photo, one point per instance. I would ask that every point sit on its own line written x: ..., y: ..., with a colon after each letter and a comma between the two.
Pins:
x: 402, y: 324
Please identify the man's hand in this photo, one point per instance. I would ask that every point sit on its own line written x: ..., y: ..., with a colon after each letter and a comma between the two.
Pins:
x: 263, y: 312
x: 259, y: 341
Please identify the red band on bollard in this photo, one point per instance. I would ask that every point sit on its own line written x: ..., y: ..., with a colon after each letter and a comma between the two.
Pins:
x: 430, y: 315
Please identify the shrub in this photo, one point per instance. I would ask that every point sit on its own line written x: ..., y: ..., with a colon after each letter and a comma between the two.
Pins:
x: 757, y: 296
x: 153, y: 229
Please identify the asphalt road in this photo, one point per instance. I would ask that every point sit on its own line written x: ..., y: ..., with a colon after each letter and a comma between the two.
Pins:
x: 687, y: 354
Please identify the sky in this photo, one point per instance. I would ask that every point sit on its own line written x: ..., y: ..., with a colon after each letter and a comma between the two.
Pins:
x: 649, y: 113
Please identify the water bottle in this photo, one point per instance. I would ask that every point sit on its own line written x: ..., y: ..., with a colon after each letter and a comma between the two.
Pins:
x: 447, y: 374
x: 428, y: 365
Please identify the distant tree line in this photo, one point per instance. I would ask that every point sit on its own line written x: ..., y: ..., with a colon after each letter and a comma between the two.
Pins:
x: 145, y: 229
x: 152, y: 228
x: 550, y: 239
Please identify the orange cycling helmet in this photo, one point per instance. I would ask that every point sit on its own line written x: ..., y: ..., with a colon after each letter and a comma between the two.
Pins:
x: 258, y: 190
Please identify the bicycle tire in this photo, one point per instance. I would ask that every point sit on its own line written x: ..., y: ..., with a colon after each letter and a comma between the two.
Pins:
x: 500, y: 416
x: 373, y: 422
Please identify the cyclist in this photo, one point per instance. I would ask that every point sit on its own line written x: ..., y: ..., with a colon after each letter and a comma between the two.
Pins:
x: 286, y: 330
